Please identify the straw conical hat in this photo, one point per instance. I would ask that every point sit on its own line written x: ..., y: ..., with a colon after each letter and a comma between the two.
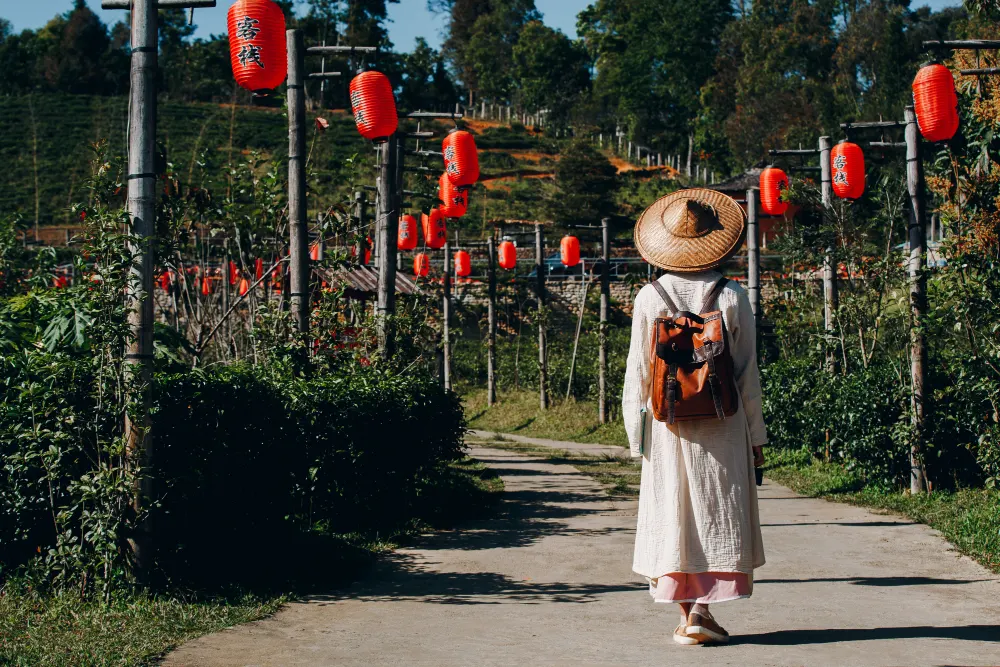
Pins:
x: 690, y: 230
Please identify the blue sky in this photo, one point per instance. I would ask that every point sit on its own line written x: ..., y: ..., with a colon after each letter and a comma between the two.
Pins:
x: 410, y: 18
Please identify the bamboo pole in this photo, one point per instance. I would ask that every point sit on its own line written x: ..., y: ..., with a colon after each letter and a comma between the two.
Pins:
x: 831, y: 301
x: 386, y: 229
x: 491, y: 341
x: 602, y: 380
x: 543, y: 390
x: 918, y: 298
x: 142, y: 212
x: 446, y: 316
x: 753, y: 253
x: 297, y: 225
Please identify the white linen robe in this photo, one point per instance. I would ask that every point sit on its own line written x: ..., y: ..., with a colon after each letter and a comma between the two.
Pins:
x: 698, y: 497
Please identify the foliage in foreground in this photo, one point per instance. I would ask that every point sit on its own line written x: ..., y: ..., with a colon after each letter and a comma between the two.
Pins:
x: 63, y: 629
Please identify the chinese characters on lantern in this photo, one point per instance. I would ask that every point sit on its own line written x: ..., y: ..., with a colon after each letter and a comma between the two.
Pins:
x: 840, y: 170
x: 246, y: 29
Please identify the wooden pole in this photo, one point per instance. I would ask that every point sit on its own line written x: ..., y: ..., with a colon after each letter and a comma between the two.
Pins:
x: 446, y: 316
x: 491, y: 341
x: 386, y: 229
x: 297, y: 225
x: 543, y: 389
x: 918, y: 298
x: 753, y: 253
x: 602, y: 363
x: 585, y: 288
x: 830, y: 297
x: 139, y: 298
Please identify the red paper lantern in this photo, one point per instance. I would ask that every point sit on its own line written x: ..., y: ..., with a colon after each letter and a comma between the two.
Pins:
x: 773, y: 182
x: 461, y: 158
x: 206, y: 286
x: 233, y: 273
x: 463, y: 264
x: 569, y: 251
x: 421, y: 265
x: 164, y: 281
x: 435, y: 229
x: 936, y: 103
x: 314, y: 253
x: 847, y: 166
x: 374, y: 106
x: 454, y: 202
x: 257, y: 44
x: 259, y: 269
x: 244, y: 287
x: 407, y: 237
x: 507, y: 253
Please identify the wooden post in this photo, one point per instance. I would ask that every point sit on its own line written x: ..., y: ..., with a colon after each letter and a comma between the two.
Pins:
x: 602, y: 380
x: 753, y: 253
x: 491, y: 340
x: 446, y: 316
x: 918, y: 298
x: 297, y: 225
x: 386, y: 229
x: 543, y: 389
x: 830, y: 299
x: 139, y: 298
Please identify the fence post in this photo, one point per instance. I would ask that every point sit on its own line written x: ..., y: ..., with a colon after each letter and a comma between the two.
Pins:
x: 491, y: 340
x: 918, y: 297
x: 386, y: 229
x: 602, y: 380
x: 446, y: 316
x: 359, y: 212
x: 298, y: 228
x: 139, y: 297
x: 540, y: 293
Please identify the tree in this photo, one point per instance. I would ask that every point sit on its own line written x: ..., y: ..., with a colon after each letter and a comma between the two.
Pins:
x: 463, y: 15
x: 585, y: 182
x: 426, y: 82
x: 652, y: 58
x: 490, y: 51
x: 550, y: 70
x: 75, y: 50
x: 770, y: 88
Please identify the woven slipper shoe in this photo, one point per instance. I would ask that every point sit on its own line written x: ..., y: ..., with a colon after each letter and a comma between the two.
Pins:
x: 706, y: 630
x: 681, y: 636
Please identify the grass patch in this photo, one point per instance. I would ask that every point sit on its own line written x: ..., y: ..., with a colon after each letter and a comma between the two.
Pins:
x: 50, y: 630
x: 517, y: 412
x: 968, y: 518
x: 61, y: 630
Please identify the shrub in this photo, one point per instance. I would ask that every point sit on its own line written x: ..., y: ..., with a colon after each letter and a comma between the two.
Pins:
x: 249, y: 463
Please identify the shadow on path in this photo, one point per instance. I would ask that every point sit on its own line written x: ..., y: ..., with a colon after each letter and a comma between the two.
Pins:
x: 974, y: 633
x: 874, y: 581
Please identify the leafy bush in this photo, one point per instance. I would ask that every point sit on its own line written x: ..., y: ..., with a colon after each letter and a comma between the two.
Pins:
x: 861, y: 412
x: 248, y: 462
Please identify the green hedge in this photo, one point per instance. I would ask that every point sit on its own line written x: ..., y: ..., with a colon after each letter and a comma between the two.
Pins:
x: 249, y: 466
x: 867, y: 416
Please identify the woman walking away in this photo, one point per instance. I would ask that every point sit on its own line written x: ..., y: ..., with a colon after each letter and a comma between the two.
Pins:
x: 692, y: 409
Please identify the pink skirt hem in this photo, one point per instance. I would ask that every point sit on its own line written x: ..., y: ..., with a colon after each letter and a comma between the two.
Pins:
x: 701, y: 587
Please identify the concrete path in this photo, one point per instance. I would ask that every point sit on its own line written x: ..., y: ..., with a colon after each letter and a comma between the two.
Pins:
x: 586, y: 449
x: 549, y: 583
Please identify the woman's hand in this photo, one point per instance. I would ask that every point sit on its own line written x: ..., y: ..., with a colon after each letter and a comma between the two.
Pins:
x: 758, y: 457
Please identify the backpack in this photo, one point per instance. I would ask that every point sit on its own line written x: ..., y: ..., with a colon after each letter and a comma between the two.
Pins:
x: 692, y: 367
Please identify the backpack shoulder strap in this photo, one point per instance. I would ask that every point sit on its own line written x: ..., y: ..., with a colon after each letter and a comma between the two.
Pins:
x: 666, y: 297
x: 713, y: 296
